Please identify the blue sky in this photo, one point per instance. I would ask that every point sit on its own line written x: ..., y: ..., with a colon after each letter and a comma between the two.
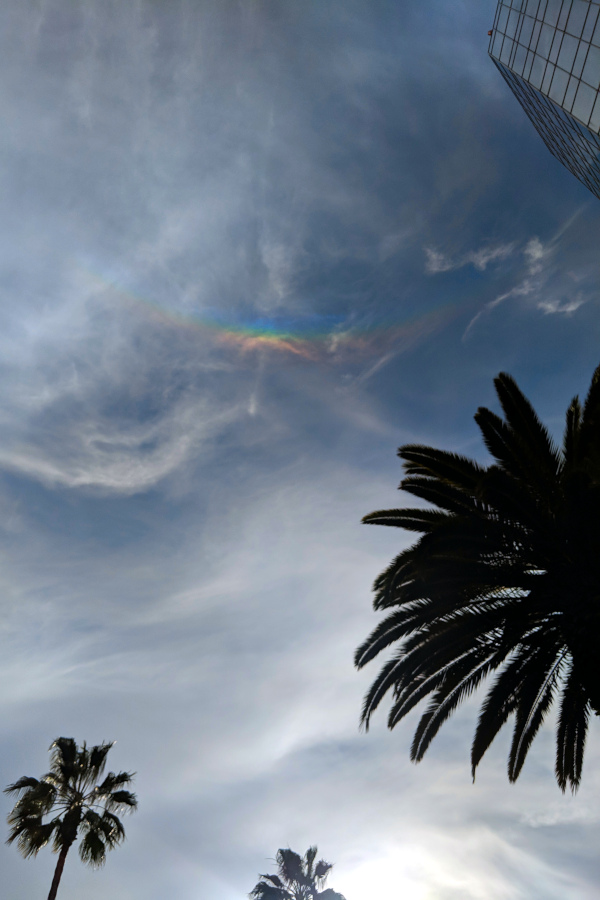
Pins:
x: 247, y: 250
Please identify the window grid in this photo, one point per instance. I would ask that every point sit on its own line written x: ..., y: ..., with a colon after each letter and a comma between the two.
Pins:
x: 573, y: 144
x: 548, y: 52
x: 548, y: 42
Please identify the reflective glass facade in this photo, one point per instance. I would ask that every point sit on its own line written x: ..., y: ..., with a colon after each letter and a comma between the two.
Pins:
x: 549, y: 54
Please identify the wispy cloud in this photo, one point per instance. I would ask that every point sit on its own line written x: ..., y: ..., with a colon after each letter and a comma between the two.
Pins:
x: 547, y: 287
x: 125, y: 457
x: 480, y: 259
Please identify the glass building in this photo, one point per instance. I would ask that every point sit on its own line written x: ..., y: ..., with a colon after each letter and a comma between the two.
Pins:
x: 548, y: 52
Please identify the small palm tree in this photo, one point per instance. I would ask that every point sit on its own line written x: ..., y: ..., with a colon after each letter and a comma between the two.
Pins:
x: 297, y: 879
x: 505, y: 576
x: 80, y: 805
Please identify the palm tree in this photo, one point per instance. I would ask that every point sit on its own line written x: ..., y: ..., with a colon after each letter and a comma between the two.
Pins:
x: 506, y: 576
x: 71, y: 791
x: 297, y: 879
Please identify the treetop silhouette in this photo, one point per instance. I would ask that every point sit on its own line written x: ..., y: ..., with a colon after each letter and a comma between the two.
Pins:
x: 504, y: 578
x: 298, y: 878
x: 81, y: 804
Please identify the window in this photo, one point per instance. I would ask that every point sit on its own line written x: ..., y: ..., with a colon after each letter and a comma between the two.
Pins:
x: 547, y: 78
x: 564, y: 14
x: 545, y: 41
x: 526, y: 30
x: 580, y: 59
x: 559, y: 86
x: 537, y: 71
x: 584, y: 103
x: 591, y: 71
x: 595, y: 120
x: 579, y: 11
x: 513, y: 21
x: 552, y: 12
x: 518, y: 64
x: 590, y: 22
x: 571, y: 91
x: 506, y: 50
x: 568, y: 50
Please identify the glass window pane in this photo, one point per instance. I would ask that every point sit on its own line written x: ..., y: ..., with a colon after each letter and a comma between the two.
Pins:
x: 552, y: 12
x: 528, y: 62
x: 545, y: 41
x: 590, y: 22
x: 584, y: 103
x: 537, y: 71
x: 518, y: 63
x: 542, y: 9
x: 559, y: 86
x: 564, y: 14
x: 526, y: 31
x: 555, y: 49
x: 502, y: 19
x: 591, y: 70
x: 513, y: 21
x: 506, y: 51
x: 547, y: 78
x: 580, y: 59
x: 568, y: 50
x: 596, y: 35
x: 571, y: 91
x: 497, y: 46
x: 532, y: 7
x: 579, y: 11
x: 595, y: 120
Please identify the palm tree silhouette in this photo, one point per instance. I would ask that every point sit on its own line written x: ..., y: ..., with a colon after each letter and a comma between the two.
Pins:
x: 506, y: 575
x: 81, y: 805
x: 297, y: 879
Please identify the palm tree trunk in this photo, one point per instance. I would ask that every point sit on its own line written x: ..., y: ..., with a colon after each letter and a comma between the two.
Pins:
x: 58, y: 871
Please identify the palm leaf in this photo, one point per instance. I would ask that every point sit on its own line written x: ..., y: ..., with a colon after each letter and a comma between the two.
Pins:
x: 571, y: 732
x: 504, y: 575
x: 523, y: 419
x: 452, y: 468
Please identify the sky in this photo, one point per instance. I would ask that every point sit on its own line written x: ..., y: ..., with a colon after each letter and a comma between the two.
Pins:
x: 247, y: 250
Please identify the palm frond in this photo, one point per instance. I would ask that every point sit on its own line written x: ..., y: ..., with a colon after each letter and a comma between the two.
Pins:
x: 322, y: 869
x: 501, y: 442
x: 31, y: 834
x: 571, y: 434
x: 421, y: 520
x: 525, y: 422
x: 63, y: 752
x: 589, y: 431
x: 120, y: 801
x: 22, y: 784
x: 452, y: 468
x: 309, y: 858
x: 92, y: 849
x: 440, y: 493
x: 571, y: 732
x: 536, y: 694
x: 290, y: 866
x: 266, y: 891
x: 37, y: 799
x: 113, y: 781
